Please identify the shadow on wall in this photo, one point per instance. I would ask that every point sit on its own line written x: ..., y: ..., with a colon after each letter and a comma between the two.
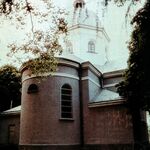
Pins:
x: 9, y: 147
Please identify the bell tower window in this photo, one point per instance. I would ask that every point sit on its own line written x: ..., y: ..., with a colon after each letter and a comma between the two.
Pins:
x: 69, y: 48
x: 91, y: 47
x: 79, y: 4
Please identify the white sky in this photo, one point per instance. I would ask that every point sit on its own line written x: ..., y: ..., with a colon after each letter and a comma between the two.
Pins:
x: 113, y: 21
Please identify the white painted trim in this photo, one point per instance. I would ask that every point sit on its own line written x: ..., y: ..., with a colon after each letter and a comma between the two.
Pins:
x: 59, y: 74
x: 64, y: 61
x: 118, y: 73
x: 99, y: 29
x: 10, y: 113
x: 68, y: 62
x: 91, y: 67
x: 90, y: 79
x: 66, y: 75
x: 110, y: 85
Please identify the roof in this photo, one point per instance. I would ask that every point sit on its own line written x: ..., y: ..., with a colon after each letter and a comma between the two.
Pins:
x: 106, y: 98
x: 71, y: 57
x: 106, y: 95
x: 112, y: 65
x: 109, y: 66
x: 14, y: 110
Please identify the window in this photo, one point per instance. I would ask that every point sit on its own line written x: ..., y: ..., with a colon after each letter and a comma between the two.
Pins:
x: 33, y: 88
x: 79, y: 4
x: 66, y: 102
x: 91, y: 47
x: 11, y: 134
x: 69, y: 48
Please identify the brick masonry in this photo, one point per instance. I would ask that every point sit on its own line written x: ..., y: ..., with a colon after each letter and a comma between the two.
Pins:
x: 91, y: 128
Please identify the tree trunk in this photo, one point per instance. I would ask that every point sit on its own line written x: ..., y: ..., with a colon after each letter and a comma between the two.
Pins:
x: 140, y: 130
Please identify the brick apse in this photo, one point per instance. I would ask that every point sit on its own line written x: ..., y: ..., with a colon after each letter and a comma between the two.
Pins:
x: 75, y: 108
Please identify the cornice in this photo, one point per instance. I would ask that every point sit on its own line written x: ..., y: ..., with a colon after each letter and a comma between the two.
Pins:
x: 67, y: 62
x: 61, y: 61
x: 88, y: 65
x: 55, y: 74
x: 118, y: 73
x: 15, y: 113
x: 97, y: 29
x: 106, y: 103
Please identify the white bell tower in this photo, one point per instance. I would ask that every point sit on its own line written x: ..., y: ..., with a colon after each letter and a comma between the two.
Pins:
x: 87, y: 39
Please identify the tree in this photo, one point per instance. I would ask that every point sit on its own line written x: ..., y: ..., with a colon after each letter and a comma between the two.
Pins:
x: 41, y: 43
x: 10, y: 85
x: 136, y: 84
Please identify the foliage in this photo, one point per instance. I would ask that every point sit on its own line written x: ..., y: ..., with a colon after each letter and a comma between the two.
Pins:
x: 43, y: 64
x: 39, y: 42
x: 47, y: 24
x: 136, y: 84
x: 43, y: 47
x: 10, y: 84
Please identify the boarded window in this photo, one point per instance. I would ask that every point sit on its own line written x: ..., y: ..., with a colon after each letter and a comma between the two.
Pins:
x: 66, y: 101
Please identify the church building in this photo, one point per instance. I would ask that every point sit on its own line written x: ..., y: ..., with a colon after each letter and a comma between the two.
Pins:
x: 77, y: 108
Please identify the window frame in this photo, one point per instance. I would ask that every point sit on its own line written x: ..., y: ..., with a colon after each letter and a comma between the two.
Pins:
x: 91, y: 46
x: 30, y: 90
x: 65, y: 101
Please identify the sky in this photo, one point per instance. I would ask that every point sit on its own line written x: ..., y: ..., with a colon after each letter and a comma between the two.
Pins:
x: 112, y: 19
x: 118, y: 27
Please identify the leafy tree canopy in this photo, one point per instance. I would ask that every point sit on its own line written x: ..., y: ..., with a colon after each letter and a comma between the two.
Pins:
x: 136, y: 84
x: 47, y: 23
x: 41, y: 44
x: 10, y: 84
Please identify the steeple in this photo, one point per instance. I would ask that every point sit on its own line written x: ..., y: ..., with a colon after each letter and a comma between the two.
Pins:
x: 87, y: 40
x: 79, y: 4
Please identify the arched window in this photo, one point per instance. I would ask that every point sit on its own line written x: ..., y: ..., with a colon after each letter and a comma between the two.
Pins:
x: 79, y: 4
x: 91, y: 47
x: 33, y: 88
x: 69, y: 48
x: 66, y: 102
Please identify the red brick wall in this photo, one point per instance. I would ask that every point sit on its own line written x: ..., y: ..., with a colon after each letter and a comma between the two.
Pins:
x: 108, y: 125
x: 40, y: 116
x: 5, y: 122
x: 105, y: 124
